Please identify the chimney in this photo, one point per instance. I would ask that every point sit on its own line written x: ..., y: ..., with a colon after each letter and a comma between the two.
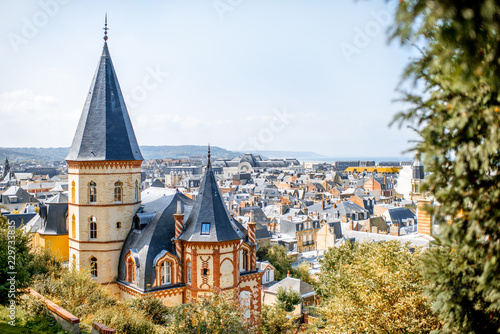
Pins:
x: 323, y: 205
x: 424, y: 218
x: 395, y: 229
x: 251, y: 228
x: 239, y: 210
x: 179, y: 225
x: 251, y: 238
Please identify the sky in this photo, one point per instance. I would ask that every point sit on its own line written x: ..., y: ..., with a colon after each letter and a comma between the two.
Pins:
x: 296, y: 75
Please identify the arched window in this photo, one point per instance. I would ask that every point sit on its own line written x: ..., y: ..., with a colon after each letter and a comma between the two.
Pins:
x: 136, y: 196
x: 244, y: 260
x: 130, y: 270
x: 188, y: 278
x: 73, y: 192
x: 73, y: 227
x: 92, y: 192
x: 93, y: 227
x: 118, y: 191
x: 165, y: 273
x: 74, y: 261
x: 93, y: 266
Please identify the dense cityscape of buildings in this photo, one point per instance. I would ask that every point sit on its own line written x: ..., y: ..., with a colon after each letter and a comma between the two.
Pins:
x: 175, y: 229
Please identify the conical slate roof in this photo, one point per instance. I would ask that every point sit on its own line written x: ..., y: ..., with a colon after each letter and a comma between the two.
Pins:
x: 104, y: 131
x: 209, y: 208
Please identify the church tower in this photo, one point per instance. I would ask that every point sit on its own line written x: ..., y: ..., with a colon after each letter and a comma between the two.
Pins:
x: 6, y: 168
x: 104, y: 176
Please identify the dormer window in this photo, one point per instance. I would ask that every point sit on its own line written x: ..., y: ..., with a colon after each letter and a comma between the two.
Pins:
x: 205, y: 228
x: 165, y: 273
x: 118, y: 191
x: 92, y: 192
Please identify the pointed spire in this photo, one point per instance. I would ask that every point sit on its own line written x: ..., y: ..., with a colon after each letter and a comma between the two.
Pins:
x: 105, y: 131
x: 209, y: 155
x: 106, y: 27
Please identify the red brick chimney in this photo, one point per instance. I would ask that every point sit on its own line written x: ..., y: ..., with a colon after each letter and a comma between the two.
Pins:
x: 179, y: 225
x: 251, y: 238
x: 424, y: 219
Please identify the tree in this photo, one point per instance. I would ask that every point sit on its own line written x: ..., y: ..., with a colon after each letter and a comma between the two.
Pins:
x: 219, y: 312
x: 275, y: 320
x: 15, y: 259
x: 302, y: 272
x: 373, y: 288
x: 288, y: 298
x: 455, y: 110
x: 278, y: 256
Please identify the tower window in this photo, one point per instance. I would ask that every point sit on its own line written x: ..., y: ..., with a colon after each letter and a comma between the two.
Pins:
x: 93, y: 266
x: 93, y: 228
x: 205, y: 228
x: 136, y: 197
x: 73, y: 227
x: 92, y: 192
x: 204, y: 271
x: 118, y: 225
x: 73, y: 192
x: 118, y: 191
x: 165, y: 273
x: 188, y: 278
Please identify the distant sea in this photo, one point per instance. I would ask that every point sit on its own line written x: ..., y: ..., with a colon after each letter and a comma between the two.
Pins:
x: 376, y: 159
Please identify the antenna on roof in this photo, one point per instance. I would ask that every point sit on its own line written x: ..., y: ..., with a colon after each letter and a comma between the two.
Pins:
x: 106, y: 27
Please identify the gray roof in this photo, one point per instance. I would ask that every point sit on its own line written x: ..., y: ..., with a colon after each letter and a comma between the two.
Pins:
x: 209, y: 208
x: 293, y: 283
x: 20, y: 218
x: 155, y: 237
x: 399, y: 214
x: 104, y: 131
x: 55, y: 215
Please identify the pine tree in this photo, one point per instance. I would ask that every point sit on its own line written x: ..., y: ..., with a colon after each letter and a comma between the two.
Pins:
x: 455, y: 108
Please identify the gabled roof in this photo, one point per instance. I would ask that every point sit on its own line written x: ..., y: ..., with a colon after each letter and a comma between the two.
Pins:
x: 209, y: 208
x: 305, y: 289
x: 104, y: 131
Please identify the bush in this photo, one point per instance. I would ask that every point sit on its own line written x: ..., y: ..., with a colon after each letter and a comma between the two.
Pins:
x: 276, y: 320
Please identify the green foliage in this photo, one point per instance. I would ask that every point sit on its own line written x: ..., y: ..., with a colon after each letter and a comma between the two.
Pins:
x: 456, y: 112
x: 275, y: 320
x: 373, y: 288
x: 288, y: 298
x: 278, y: 256
x: 31, y: 317
x: 219, y: 313
x: 15, y: 257
x: 154, y: 308
x: 302, y: 272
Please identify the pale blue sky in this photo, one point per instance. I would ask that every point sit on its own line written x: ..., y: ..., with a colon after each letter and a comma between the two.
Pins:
x: 199, y: 71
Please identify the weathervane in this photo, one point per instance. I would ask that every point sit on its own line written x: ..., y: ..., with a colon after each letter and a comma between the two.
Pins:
x: 106, y: 27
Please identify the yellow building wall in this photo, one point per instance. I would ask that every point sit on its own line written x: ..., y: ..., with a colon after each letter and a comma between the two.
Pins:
x: 57, y: 244
x: 106, y: 248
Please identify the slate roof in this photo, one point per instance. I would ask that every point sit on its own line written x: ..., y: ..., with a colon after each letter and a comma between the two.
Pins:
x: 399, y: 214
x: 296, y: 284
x: 104, y: 131
x: 21, y: 196
x: 20, y: 218
x: 209, y: 208
x: 56, y: 216
x: 155, y: 237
